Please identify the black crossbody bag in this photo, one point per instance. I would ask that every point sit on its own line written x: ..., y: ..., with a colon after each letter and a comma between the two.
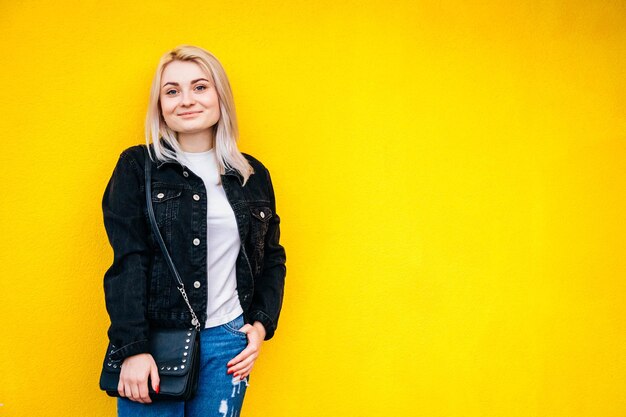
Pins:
x: 175, y: 351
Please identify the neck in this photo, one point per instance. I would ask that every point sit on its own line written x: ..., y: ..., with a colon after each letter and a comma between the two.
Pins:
x: 196, y: 142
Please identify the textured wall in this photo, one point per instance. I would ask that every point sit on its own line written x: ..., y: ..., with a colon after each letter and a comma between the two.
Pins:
x: 450, y: 180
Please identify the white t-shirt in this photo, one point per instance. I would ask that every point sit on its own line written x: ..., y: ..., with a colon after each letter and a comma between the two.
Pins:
x: 223, y: 241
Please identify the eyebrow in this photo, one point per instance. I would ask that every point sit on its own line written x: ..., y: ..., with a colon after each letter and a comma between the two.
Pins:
x: 192, y: 82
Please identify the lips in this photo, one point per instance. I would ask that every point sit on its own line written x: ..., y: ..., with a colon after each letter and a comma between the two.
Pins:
x: 189, y: 113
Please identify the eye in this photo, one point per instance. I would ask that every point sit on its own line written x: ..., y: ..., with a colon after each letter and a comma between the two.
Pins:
x: 167, y: 93
x: 201, y: 87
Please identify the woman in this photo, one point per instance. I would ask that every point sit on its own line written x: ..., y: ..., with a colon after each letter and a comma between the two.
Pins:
x: 216, y: 211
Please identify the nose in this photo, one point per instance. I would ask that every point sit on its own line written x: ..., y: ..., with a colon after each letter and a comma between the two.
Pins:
x: 187, y: 98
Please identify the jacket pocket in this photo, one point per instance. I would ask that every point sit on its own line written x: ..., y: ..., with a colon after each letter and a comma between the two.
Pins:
x: 166, y: 203
x: 260, y: 216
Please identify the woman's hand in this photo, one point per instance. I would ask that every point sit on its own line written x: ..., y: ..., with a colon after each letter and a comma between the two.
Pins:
x: 241, y: 365
x: 134, y: 377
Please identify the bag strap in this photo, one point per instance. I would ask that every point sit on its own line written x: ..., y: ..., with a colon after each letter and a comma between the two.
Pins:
x: 157, y: 232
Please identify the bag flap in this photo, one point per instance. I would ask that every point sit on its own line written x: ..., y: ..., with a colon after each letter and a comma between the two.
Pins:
x: 172, y: 350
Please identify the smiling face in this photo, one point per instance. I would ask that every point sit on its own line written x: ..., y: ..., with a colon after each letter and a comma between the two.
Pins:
x: 189, y: 100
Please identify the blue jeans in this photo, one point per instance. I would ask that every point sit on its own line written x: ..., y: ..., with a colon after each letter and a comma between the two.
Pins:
x: 219, y: 394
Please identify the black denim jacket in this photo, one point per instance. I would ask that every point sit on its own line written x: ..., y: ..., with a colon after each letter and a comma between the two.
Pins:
x: 140, y: 291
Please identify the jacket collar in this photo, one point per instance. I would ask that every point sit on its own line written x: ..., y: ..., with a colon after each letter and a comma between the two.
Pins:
x: 227, y: 170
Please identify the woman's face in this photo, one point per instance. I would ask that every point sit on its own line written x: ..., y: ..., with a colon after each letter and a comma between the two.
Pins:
x: 189, y: 101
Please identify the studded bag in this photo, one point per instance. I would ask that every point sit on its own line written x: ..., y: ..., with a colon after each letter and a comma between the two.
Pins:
x: 175, y: 351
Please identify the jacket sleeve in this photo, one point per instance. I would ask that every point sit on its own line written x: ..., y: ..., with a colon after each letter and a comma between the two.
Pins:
x: 125, y: 281
x: 269, y: 287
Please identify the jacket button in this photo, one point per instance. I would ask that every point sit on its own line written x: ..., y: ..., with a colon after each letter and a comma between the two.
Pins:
x: 196, y: 197
x: 160, y: 195
x: 196, y: 241
x: 262, y: 215
x: 197, y: 284
x: 185, y: 174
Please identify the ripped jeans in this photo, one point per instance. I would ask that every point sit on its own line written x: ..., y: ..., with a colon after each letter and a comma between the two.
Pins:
x: 218, y: 394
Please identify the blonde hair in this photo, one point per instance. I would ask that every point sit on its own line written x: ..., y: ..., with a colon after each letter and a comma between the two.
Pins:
x: 226, y: 133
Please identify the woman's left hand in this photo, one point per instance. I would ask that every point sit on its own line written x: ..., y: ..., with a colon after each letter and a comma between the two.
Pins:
x: 241, y: 365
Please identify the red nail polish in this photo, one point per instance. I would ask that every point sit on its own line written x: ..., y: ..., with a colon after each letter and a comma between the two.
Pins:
x: 158, y: 388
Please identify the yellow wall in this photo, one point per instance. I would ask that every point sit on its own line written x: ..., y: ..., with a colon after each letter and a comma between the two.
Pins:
x: 450, y: 179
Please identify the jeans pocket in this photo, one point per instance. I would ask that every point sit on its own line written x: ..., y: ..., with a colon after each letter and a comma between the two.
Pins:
x: 234, y: 325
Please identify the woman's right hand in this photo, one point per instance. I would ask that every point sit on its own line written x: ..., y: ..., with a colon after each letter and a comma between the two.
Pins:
x: 134, y: 377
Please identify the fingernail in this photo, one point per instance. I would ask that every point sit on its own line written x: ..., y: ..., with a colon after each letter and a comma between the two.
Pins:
x: 158, y: 388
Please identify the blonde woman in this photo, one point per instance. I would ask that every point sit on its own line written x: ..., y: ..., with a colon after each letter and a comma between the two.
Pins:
x: 215, y: 208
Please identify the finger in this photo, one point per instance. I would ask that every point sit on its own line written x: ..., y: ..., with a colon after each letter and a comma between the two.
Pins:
x: 135, y: 392
x: 143, y: 393
x: 237, y: 360
x: 251, y: 332
x: 120, y: 388
x: 249, y: 350
x: 127, y: 390
x: 246, y: 328
x: 154, y: 377
x: 240, y: 367
x: 244, y: 372
x: 241, y: 356
x: 243, y: 364
x: 237, y: 366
